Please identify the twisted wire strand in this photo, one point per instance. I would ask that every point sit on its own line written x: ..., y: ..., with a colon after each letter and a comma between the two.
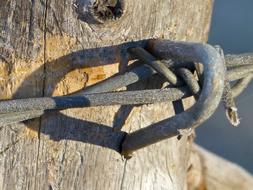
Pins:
x: 239, y: 67
x: 205, y: 106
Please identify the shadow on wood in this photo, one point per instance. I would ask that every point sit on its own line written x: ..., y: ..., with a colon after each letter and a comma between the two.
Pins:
x: 71, y: 128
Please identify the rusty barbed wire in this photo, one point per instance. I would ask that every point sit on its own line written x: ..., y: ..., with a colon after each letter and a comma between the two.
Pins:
x: 180, y: 75
x: 118, y: 81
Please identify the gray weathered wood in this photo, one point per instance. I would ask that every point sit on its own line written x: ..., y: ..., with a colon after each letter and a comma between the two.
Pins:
x: 47, y: 49
x: 208, y: 171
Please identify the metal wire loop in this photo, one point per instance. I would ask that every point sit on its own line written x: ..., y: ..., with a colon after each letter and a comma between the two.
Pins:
x: 210, y: 96
x: 173, y: 60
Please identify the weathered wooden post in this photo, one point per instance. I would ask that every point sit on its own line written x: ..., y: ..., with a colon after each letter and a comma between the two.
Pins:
x: 54, y: 47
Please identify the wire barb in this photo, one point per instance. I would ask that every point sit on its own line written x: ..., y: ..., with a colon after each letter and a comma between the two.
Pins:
x: 228, y: 99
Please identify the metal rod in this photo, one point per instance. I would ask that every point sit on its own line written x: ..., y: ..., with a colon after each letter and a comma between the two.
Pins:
x: 89, y: 100
x: 239, y: 59
x: 239, y: 72
x: 119, y: 80
x: 205, y: 106
x: 161, y: 68
x: 241, y: 85
x: 190, y: 80
x: 15, y: 117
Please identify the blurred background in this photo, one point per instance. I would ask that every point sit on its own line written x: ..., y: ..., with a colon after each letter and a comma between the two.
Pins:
x: 232, y: 29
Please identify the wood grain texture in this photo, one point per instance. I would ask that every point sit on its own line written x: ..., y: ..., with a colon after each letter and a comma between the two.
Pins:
x: 208, y: 171
x: 46, y: 49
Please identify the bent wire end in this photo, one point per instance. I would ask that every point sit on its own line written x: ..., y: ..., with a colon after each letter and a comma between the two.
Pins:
x: 210, y: 96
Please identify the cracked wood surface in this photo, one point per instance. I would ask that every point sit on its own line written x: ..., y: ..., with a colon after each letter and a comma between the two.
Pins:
x: 47, y: 49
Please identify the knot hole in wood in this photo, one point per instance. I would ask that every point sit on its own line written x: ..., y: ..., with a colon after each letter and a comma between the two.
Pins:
x: 107, y: 10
